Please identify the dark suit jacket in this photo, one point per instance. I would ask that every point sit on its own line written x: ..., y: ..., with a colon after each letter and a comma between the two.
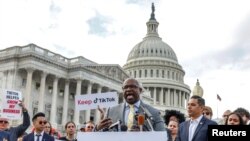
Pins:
x: 30, y: 137
x: 200, y: 133
x: 4, y: 135
x: 19, y: 130
x: 118, y: 113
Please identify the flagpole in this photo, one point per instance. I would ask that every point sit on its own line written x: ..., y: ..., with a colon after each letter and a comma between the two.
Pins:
x: 218, y: 100
x: 217, y: 108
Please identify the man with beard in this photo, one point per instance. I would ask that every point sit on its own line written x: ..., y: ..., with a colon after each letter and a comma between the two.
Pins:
x: 125, y: 112
x: 195, y: 129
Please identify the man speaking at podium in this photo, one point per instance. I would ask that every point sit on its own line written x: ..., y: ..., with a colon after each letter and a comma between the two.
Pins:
x: 130, y: 113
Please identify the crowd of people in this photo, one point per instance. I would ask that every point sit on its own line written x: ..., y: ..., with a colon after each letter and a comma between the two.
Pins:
x: 178, y: 127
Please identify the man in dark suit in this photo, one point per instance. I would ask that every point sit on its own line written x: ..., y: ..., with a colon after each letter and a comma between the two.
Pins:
x: 122, y: 112
x: 196, y: 128
x: 4, y: 136
x: 39, y: 122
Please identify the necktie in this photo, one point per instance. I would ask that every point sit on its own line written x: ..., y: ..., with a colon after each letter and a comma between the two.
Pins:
x: 37, y: 137
x: 130, y: 116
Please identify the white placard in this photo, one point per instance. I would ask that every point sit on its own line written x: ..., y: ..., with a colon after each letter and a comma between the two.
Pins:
x: 9, y: 104
x: 91, y: 101
x: 123, y: 136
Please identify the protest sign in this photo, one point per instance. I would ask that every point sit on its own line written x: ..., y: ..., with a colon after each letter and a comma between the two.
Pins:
x: 91, y: 101
x: 10, y: 108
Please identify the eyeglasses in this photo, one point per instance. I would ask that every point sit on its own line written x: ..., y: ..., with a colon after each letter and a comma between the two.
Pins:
x: 206, y: 113
x: 90, y: 127
x: 42, y: 122
x: 130, y: 86
x: 4, y: 121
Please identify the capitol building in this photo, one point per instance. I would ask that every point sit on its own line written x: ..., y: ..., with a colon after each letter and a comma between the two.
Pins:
x: 49, y: 81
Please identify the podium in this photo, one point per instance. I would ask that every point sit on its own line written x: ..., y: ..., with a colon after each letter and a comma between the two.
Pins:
x: 123, y: 136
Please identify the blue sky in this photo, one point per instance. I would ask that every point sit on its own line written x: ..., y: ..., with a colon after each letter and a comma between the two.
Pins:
x: 211, y: 38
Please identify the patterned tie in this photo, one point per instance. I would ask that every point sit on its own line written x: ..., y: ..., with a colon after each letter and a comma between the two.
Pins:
x: 130, y: 116
x: 37, y: 137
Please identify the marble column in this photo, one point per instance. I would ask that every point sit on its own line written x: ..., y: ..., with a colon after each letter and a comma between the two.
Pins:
x: 183, y: 99
x: 42, y: 92
x: 10, y: 79
x: 54, y: 102
x: 154, y: 95
x: 161, y: 96
x: 172, y: 97
x: 179, y: 105
x: 5, y: 75
x: 65, y: 102
x: 78, y: 92
x: 87, y: 112
x: 168, y: 98
x: 143, y: 73
x: 175, y: 98
x: 27, y: 99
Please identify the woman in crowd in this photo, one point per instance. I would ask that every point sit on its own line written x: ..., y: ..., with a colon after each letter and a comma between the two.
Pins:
x: 48, y: 128
x: 70, y: 128
x: 234, y: 119
x: 89, y: 126
x: 51, y: 131
x: 207, y: 112
x: 173, y: 115
x: 173, y: 127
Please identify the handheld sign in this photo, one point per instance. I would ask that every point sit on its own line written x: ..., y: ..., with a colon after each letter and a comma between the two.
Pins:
x: 91, y: 101
x: 10, y: 104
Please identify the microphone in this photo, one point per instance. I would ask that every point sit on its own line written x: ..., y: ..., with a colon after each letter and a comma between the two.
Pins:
x: 124, y: 128
x: 148, y: 117
x: 147, y: 113
x: 140, y: 121
x: 116, y: 126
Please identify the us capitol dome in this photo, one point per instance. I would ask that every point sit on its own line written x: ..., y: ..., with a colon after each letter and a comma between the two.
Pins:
x: 155, y: 64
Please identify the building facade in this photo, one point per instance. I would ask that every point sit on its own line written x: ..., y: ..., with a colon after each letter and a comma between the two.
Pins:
x: 155, y: 64
x: 49, y: 81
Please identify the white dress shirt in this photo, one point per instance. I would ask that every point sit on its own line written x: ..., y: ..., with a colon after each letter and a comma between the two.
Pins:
x: 40, y: 137
x: 192, y: 127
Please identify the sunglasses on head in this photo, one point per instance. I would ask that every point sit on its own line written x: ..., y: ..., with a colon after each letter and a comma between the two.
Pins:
x: 42, y: 122
x: 4, y: 121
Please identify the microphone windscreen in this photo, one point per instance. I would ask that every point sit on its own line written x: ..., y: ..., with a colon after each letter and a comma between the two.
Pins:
x: 124, y: 128
x: 141, y: 119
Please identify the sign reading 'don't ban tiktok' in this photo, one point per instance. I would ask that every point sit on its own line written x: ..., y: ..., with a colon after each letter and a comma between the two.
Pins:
x: 9, y: 104
x: 91, y: 101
